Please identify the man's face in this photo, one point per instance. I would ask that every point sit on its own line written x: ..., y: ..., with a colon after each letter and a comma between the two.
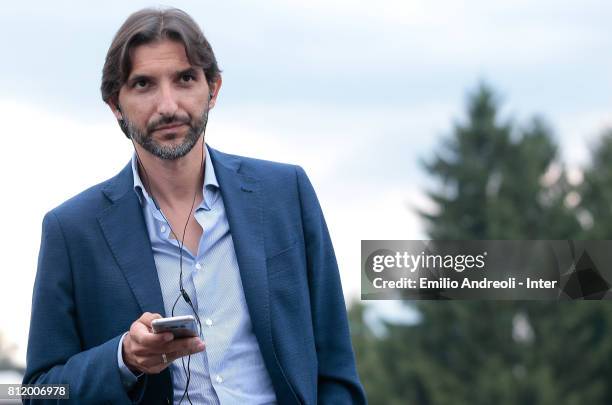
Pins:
x: 164, y: 103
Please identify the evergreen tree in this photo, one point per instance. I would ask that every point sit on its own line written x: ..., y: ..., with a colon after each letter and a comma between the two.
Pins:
x: 596, y: 190
x: 491, y: 177
x: 481, y: 353
x: 499, y: 182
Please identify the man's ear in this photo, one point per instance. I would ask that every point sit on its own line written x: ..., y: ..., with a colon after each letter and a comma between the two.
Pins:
x: 214, y: 92
x: 114, y: 106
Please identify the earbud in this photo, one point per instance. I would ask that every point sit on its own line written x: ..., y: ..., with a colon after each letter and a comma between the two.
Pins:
x: 122, y: 124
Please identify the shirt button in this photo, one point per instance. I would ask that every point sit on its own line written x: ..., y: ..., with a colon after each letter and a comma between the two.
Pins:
x: 198, y: 266
x: 219, y: 379
x: 208, y: 322
x: 163, y: 229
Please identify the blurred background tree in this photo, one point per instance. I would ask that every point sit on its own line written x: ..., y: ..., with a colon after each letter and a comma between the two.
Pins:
x: 499, y: 180
x: 6, y: 357
x: 596, y: 190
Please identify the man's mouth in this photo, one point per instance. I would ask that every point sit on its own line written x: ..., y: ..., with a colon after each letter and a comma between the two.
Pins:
x: 175, y: 125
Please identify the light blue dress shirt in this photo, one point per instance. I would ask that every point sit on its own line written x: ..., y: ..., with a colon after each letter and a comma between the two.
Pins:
x: 231, y: 369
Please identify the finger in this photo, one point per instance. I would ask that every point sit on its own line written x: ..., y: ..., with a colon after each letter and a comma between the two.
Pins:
x: 156, y: 361
x: 155, y: 342
x: 142, y: 336
x: 153, y: 364
x: 182, y: 353
x: 193, y: 344
x: 196, y: 346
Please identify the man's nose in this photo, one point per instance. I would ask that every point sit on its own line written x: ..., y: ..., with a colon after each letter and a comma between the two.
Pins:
x: 166, y: 103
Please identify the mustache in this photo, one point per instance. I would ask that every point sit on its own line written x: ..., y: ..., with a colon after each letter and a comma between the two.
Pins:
x: 168, y: 120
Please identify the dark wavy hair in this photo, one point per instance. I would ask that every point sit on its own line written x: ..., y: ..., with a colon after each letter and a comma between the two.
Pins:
x: 150, y: 25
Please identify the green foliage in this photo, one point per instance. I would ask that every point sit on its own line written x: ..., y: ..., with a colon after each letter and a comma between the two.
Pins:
x: 500, y: 181
x: 596, y: 190
x: 492, y: 176
x: 467, y: 353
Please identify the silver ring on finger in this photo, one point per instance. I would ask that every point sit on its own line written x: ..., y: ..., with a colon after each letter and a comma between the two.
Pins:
x: 164, y: 358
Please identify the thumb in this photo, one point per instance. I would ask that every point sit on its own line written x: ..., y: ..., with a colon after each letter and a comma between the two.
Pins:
x: 147, y: 317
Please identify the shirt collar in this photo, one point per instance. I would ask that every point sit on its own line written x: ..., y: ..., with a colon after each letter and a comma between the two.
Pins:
x: 210, y: 180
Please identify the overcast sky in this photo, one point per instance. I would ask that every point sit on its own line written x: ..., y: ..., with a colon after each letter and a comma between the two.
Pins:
x: 356, y: 92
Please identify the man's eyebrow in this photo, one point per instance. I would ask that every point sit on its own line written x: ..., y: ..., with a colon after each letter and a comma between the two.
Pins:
x: 137, y: 77
x: 188, y: 71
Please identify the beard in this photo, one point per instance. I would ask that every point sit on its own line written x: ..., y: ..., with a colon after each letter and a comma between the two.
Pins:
x: 145, y: 138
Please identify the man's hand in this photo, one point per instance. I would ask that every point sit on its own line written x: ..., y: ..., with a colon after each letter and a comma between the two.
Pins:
x: 143, y: 350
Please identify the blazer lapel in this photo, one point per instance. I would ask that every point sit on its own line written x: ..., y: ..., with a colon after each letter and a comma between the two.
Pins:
x: 242, y: 198
x: 244, y: 208
x: 125, y: 231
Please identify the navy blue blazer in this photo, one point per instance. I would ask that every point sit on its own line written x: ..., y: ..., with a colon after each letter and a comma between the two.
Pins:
x: 96, y: 275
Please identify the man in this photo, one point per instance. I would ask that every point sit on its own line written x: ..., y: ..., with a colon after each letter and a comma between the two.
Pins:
x: 186, y: 230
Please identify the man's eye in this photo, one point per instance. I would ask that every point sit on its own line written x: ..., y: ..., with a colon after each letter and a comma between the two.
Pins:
x: 187, y: 77
x: 139, y: 84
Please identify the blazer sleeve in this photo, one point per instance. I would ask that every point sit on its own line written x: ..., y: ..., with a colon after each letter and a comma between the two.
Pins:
x: 55, y: 355
x: 338, y: 382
